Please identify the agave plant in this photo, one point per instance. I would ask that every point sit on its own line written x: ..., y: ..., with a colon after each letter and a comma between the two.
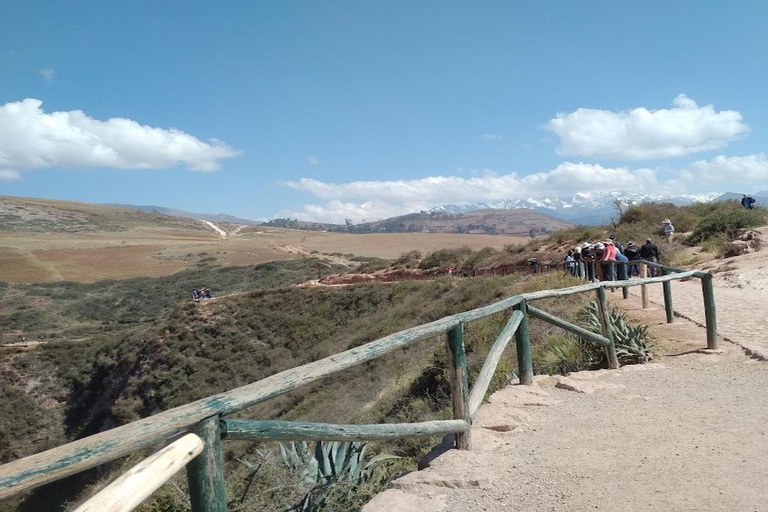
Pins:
x: 631, y: 342
x: 329, y: 463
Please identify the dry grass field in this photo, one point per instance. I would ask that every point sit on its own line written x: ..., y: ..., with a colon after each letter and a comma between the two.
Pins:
x: 45, y: 240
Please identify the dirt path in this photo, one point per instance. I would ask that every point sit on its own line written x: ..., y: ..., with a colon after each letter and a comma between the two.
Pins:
x: 221, y: 232
x: 741, y: 311
x: 686, y: 433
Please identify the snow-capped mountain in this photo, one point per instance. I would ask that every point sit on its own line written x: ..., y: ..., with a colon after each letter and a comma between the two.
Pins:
x: 584, y: 207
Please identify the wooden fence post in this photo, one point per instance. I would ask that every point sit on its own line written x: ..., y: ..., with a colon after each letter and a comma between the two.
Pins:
x: 624, y: 275
x: 605, y: 324
x: 205, y: 473
x: 457, y: 375
x: 710, y: 311
x: 523, y: 341
x: 667, y: 286
x: 643, y: 287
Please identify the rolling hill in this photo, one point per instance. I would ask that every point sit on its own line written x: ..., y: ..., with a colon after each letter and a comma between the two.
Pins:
x: 518, y: 222
x: 213, y: 217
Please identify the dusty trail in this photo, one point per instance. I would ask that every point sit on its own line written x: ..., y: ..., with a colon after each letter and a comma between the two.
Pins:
x: 686, y: 433
x: 221, y: 232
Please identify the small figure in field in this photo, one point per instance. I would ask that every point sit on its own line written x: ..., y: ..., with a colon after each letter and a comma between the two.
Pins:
x: 668, y: 229
x: 747, y: 201
x: 206, y: 293
x: 195, y: 294
x: 650, y: 252
x: 534, y: 264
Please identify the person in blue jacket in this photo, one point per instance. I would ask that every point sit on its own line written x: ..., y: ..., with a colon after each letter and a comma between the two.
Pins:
x: 747, y: 201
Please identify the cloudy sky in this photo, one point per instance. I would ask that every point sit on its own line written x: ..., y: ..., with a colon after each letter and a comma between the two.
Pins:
x: 361, y: 110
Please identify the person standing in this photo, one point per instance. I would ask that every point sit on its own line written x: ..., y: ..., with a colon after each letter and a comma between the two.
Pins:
x: 649, y: 252
x: 569, y: 265
x: 668, y: 229
x: 747, y: 201
x: 619, y: 247
x: 632, y: 253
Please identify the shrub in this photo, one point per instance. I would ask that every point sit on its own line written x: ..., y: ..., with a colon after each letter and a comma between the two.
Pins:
x: 446, y: 258
x: 728, y: 223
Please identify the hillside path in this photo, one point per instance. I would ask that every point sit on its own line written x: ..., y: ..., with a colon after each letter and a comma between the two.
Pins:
x: 688, y: 432
x: 221, y: 232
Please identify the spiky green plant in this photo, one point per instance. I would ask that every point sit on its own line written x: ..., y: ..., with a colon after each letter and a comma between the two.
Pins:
x: 632, y: 342
x: 330, y: 463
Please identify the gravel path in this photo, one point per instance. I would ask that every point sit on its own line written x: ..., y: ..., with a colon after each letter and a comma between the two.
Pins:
x: 688, y: 433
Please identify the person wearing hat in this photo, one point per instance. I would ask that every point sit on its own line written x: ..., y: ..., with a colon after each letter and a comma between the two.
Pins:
x: 607, y: 258
x: 668, y: 229
x: 632, y: 252
x: 588, y: 257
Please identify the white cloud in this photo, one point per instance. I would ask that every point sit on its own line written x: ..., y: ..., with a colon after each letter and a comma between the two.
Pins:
x: 32, y: 139
x: 9, y: 175
x: 726, y: 169
x: 372, y: 200
x: 644, y: 134
x: 313, y: 160
x: 492, y: 136
x: 47, y: 73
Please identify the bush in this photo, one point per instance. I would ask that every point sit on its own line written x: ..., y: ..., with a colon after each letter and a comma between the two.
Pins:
x: 446, y: 258
x: 727, y: 223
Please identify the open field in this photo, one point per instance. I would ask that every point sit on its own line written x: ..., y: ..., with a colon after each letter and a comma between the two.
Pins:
x: 46, y: 241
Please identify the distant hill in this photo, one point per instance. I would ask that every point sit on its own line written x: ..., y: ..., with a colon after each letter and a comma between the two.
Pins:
x: 213, y: 217
x: 761, y: 198
x: 27, y: 214
x: 518, y: 222
x: 591, y: 208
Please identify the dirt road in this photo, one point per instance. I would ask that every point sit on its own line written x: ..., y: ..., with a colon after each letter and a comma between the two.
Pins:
x: 686, y: 433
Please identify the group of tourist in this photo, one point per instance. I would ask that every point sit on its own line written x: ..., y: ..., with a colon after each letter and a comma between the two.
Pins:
x: 199, y: 294
x: 596, y: 261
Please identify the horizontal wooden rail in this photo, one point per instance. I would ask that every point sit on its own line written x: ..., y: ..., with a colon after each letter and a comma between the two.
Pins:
x: 139, y: 482
x: 252, y: 430
x: 492, y: 361
x: 86, y: 453
x: 563, y: 292
x: 563, y: 324
x: 696, y: 273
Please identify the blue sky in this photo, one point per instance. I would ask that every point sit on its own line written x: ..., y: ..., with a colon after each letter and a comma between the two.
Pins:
x: 327, y: 110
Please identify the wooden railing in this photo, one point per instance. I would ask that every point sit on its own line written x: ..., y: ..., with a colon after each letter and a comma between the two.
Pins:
x: 206, y: 417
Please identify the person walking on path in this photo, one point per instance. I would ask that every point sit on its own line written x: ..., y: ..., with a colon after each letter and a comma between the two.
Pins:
x: 747, y: 201
x: 650, y: 252
x: 668, y: 229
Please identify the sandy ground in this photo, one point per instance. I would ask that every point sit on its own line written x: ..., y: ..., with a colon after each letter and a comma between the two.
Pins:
x: 688, y: 432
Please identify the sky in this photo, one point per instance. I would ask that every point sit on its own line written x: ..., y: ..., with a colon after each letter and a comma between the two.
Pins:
x: 363, y: 110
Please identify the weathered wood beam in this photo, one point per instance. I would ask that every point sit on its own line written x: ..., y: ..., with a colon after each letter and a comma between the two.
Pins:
x: 605, y: 324
x: 459, y: 382
x: 205, y: 474
x: 565, y: 325
x: 523, y: 344
x: 491, y: 362
x: 710, y: 310
x: 139, y: 482
x: 252, y: 430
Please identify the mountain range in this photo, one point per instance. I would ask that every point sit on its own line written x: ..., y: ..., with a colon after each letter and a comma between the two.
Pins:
x: 590, y: 208
x: 212, y: 217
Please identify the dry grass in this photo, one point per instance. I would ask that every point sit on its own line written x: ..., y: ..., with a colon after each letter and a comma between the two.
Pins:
x: 154, y: 251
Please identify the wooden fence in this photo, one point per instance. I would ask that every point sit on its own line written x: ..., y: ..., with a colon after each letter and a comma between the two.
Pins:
x: 206, y: 417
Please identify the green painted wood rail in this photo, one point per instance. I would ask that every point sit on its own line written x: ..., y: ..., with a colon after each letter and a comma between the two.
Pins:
x: 205, y: 416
